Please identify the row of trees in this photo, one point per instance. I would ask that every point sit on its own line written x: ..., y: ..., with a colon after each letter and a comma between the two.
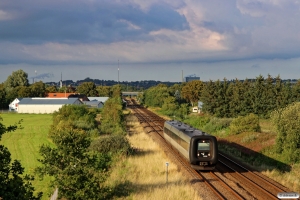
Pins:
x: 224, y: 98
x: 261, y: 97
x: 17, y: 86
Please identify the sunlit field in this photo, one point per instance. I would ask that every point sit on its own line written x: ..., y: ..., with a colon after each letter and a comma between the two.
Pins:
x: 24, y: 143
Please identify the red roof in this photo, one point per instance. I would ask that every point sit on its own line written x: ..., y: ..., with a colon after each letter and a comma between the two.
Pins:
x: 58, y: 95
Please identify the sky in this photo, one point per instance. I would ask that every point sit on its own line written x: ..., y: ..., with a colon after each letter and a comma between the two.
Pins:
x: 162, y: 40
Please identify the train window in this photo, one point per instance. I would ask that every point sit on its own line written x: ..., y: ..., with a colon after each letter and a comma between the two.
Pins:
x: 203, y: 146
x: 176, y: 138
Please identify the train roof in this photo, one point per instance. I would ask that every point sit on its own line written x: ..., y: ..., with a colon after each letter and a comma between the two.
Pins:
x: 185, y: 128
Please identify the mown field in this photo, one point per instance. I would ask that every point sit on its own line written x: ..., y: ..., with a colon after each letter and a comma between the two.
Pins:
x: 24, y: 143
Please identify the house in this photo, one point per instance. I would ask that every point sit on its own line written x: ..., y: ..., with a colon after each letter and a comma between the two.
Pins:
x: 13, y: 106
x: 102, y: 99
x: 93, y: 104
x: 45, y: 105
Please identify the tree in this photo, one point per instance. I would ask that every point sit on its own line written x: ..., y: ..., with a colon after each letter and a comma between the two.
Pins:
x: 78, y: 173
x: 192, y: 91
x: 155, y: 95
x: 50, y: 89
x: 3, y: 100
x: 112, y: 117
x: 208, y: 97
x: 87, y: 88
x: 286, y: 121
x: 103, y: 91
x: 38, y: 89
x: 24, y: 91
x: 13, y: 185
x: 17, y: 78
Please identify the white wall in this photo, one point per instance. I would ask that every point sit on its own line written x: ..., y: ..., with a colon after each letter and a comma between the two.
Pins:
x: 38, y: 108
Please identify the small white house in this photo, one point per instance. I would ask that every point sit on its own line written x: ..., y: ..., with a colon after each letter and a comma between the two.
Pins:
x: 45, y: 105
x: 13, y: 106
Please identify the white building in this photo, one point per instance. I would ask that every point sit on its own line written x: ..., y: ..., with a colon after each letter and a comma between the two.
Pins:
x: 45, y: 105
x: 13, y: 106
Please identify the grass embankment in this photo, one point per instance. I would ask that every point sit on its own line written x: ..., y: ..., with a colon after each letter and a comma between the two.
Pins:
x: 24, y: 143
x: 257, y: 150
x: 144, y: 173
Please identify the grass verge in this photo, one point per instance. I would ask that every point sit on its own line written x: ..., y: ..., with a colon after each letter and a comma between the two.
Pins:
x: 24, y: 143
x: 143, y: 174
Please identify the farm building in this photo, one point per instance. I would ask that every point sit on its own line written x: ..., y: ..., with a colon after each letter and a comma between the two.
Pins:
x: 13, y: 106
x: 102, y: 99
x: 45, y: 105
x: 93, y: 104
x: 82, y: 97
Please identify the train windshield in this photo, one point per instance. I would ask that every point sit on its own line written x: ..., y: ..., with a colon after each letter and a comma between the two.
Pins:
x: 203, y: 145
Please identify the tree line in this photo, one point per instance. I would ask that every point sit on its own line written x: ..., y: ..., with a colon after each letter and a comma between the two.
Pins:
x: 224, y: 98
x: 17, y: 86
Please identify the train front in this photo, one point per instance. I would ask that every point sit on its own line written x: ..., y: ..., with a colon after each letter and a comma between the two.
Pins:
x: 203, y: 152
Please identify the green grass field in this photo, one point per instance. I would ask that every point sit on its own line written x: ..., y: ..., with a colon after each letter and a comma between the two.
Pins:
x: 24, y: 143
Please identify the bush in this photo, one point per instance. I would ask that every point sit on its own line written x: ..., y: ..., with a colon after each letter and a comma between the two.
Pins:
x: 217, y: 124
x: 198, y: 122
x: 287, y: 122
x: 249, y: 123
x: 111, y: 144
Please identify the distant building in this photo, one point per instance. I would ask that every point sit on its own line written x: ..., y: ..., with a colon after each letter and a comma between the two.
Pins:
x: 192, y: 77
x: 45, y: 105
x: 82, y: 97
x: 102, y: 99
x: 13, y: 106
x: 93, y: 104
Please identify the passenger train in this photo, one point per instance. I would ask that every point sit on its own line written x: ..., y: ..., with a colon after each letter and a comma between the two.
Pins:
x: 199, y: 148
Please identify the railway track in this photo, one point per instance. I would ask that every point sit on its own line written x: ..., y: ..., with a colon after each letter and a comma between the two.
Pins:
x: 248, y: 185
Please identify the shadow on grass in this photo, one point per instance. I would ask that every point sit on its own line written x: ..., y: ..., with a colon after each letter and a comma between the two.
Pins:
x: 128, y: 188
x: 252, y: 158
x: 140, y: 152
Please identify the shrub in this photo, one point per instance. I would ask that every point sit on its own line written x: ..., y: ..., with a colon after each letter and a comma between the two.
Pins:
x: 111, y: 144
x: 198, y: 122
x: 217, y: 124
x: 287, y: 122
x: 248, y: 123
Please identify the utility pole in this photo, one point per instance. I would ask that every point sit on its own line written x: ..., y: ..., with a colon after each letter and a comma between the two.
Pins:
x: 118, y: 71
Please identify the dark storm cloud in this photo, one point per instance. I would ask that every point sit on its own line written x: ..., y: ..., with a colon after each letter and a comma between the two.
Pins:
x: 77, y: 22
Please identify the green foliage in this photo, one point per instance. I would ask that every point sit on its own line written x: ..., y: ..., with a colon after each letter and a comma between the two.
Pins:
x: 4, y: 102
x: 87, y: 88
x: 199, y: 121
x: 103, y: 91
x: 216, y: 124
x: 78, y: 173
x: 13, y: 185
x: 192, y: 91
x: 249, y: 138
x: 156, y: 95
x: 112, y: 117
x: 287, y: 122
x: 111, y: 144
x: 74, y: 115
x: 17, y: 78
x: 249, y: 123
x: 38, y: 89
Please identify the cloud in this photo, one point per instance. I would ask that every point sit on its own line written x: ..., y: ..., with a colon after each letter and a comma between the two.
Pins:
x: 141, y: 31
